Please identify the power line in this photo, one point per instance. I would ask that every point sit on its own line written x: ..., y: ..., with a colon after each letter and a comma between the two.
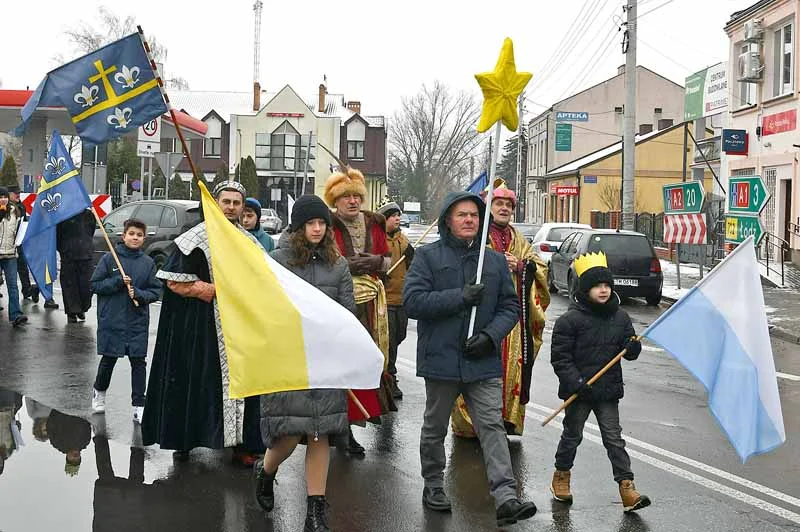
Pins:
x: 593, y: 63
x: 654, y: 9
x: 548, y: 64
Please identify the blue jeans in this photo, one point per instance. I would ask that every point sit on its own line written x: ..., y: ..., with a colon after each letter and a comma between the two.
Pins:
x: 9, y: 267
x: 607, y: 414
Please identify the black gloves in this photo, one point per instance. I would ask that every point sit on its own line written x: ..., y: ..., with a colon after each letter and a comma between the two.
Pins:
x: 409, y: 254
x: 633, y: 348
x: 478, y: 346
x: 585, y: 392
x: 364, y: 263
x: 473, y: 294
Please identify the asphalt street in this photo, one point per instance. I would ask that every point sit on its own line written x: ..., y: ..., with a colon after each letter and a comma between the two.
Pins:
x: 680, y: 457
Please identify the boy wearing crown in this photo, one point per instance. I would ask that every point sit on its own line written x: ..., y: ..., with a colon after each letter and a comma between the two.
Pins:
x: 592, y: 332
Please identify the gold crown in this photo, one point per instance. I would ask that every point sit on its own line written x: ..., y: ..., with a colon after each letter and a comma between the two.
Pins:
x: 498, y: 183
x: 590, y: 260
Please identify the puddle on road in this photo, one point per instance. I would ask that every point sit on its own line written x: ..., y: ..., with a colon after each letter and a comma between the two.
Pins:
x: 59, y: 472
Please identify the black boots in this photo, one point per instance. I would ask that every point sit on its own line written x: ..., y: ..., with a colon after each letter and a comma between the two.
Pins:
x: 315, y: 514
x: 265, y: 492
x: 353, y: 447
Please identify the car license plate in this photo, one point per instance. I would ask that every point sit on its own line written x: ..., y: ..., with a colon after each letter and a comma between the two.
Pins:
x: 626, y: 282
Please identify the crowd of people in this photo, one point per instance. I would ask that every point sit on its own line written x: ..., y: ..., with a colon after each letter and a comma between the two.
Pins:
x: 477, y: 384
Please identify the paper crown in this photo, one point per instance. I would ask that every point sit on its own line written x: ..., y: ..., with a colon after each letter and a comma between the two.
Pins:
x: 589, y: 261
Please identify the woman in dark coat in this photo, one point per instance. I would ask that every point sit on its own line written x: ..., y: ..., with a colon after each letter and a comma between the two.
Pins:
x: 308, y: 416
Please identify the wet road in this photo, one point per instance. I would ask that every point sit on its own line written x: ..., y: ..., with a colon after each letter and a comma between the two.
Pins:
x: 680, y: 457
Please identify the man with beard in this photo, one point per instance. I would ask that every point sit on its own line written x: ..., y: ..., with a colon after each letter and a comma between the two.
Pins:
x: 520, y: 348
x: 187, y: 403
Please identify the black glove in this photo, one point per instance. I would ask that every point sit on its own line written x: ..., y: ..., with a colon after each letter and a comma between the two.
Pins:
x: 473, y: 294
x: 409, y: 254
x: 633, y: 348
x: 479, y: 346
x: 585, y: 392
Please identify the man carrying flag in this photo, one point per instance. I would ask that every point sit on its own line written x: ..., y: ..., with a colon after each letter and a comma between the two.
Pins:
x: 61, y: 196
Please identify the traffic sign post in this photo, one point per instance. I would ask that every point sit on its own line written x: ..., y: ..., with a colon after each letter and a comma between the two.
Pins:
x: 149, y: 141
x: 738, y: 227
x: 747, y: 195
x: 684, y: 198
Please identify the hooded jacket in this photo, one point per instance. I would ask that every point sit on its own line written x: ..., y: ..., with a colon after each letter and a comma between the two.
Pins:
x: 263, y: 238
x: 433, y: 295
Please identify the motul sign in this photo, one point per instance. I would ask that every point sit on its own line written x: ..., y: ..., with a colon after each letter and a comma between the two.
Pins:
x: 567, y: 190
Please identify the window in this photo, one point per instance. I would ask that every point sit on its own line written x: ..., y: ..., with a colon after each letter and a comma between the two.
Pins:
x: 284, y: 150
x: 747, y: 91
x: 169, y: 218
x: 355, y: 149
x: 116, y: 220
x: 783, y: 61
x: 573, y: 245
x: 150, y: 214
x: 212, y: 147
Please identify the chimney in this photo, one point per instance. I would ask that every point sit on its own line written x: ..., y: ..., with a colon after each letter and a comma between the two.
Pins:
x: 322, y: 93
x: 355, y: 107
x: 664, y: 123
x: 644, y: 129
x: 256, y: 96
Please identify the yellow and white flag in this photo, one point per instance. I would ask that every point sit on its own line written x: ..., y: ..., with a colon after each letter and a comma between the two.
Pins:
x: 280, y: 332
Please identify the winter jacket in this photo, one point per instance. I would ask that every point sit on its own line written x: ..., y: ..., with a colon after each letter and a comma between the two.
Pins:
x: 75, y: 237
x: 122, y: 327
x: 433, y: 296
x: 309, y: 412
x: 263, y: 238
x: 9, y: 225
x: 398, y: 245
x: 584, y: 341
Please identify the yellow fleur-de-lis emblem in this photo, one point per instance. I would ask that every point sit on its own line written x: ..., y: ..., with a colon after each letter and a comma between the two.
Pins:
x: 120, y: 118
x: 87, y: 96
x: 55, y: 165
x: 127, y: 77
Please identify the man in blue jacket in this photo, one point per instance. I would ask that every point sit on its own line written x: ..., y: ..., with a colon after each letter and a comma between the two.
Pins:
x: 439, y: 293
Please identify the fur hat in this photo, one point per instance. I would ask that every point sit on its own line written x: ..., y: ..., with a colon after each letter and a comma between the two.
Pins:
x: 340, y: 183
x: 307, y: 208
x: 230, y: 185
x: 389, y: 209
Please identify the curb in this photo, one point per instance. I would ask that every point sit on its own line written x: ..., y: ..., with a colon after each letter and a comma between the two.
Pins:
x: 774, y: 330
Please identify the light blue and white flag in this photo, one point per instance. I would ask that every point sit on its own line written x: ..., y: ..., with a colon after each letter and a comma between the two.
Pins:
x: 719, y: 332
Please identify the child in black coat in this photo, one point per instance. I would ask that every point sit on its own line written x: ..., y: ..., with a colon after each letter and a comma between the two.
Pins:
x: 591, y: 333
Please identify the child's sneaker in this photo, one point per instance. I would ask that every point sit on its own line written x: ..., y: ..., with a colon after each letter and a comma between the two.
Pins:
x: 98, y: 401
x: 138, y: 412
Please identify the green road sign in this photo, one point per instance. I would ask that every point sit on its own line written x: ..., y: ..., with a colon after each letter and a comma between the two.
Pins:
x: 563, y: 137
x: 747, y: 194
x: 738, y: 227
x: 683, y: 198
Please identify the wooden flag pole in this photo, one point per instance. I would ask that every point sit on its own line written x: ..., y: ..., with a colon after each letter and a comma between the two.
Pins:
x: 111, y: 248
x: 358, y: 403
x: 428, y: 230
x: 591, y: 381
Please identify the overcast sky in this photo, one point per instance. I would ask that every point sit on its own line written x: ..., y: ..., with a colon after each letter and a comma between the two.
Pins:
x: 378, y: 51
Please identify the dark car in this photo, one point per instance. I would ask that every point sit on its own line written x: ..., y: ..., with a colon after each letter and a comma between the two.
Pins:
x: 630, y: 256
x: 165, y: 219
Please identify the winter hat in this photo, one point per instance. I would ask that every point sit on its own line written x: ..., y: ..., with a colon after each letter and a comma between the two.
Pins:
x: 340, y: 183
x: 14, y: 188
x: 252, y: 203
x: 3, y: 191
x: 307, y: 208
x: 592, y: 269
x: 389, y: 209
x: 230, y: 185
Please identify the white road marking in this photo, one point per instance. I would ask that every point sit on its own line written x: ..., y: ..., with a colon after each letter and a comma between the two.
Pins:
x: 677, y: 471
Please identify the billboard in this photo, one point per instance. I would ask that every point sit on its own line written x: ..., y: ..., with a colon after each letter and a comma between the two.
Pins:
x: 706, y: 92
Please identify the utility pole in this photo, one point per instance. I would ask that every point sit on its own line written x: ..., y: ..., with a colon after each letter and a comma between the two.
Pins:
x: 629, y: 118
x: 520, y: 128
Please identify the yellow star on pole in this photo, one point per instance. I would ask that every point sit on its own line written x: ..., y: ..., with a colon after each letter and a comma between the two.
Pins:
x: 501, y: 88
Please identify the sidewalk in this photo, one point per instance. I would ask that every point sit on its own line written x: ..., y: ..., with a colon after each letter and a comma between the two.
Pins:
x: 782, y: 304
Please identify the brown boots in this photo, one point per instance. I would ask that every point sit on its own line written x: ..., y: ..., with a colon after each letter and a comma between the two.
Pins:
x: 631, y: 499
x: 560, y: 486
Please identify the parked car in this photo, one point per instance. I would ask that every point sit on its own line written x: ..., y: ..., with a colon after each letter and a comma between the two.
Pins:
x: 405, y: 221
x: 270, y: 221
x: 527, y: 230
x: 630, y: 256
x: 165, y: 219
x: 549, y: 237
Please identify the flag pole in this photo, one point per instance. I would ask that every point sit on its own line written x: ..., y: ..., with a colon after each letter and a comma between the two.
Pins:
x: 172, y: 113
x: 487, y: 215
x: 428, y: 230
x: 111, y: 248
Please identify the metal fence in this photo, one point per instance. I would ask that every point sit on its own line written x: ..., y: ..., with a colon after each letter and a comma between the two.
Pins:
x: 650, y: 224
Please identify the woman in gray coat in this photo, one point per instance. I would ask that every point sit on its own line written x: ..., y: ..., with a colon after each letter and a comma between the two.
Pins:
x: 308, y: 250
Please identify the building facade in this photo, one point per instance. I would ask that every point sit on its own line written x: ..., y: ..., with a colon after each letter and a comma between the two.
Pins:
x: 764, y: 49
x: 591, y: 120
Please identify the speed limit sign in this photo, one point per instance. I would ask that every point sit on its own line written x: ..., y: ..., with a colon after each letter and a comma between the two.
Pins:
x: 150, y: 128
x: 149, y: 138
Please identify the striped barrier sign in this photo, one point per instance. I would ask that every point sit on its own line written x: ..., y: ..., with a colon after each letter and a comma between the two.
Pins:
x: 101, y: 202
x: 685, y: 229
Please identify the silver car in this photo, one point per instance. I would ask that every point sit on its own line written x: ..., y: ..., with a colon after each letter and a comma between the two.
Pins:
x: 270, y: 222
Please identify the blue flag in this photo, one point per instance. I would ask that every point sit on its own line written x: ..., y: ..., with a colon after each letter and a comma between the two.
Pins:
x: 61, y: 196
x: 108, y: 93
x: 480, y: 183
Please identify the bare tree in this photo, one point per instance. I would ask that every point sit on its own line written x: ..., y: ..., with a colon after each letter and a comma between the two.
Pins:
x: 609, y: 195
x: 110, y: 27
x: 431, y: 140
